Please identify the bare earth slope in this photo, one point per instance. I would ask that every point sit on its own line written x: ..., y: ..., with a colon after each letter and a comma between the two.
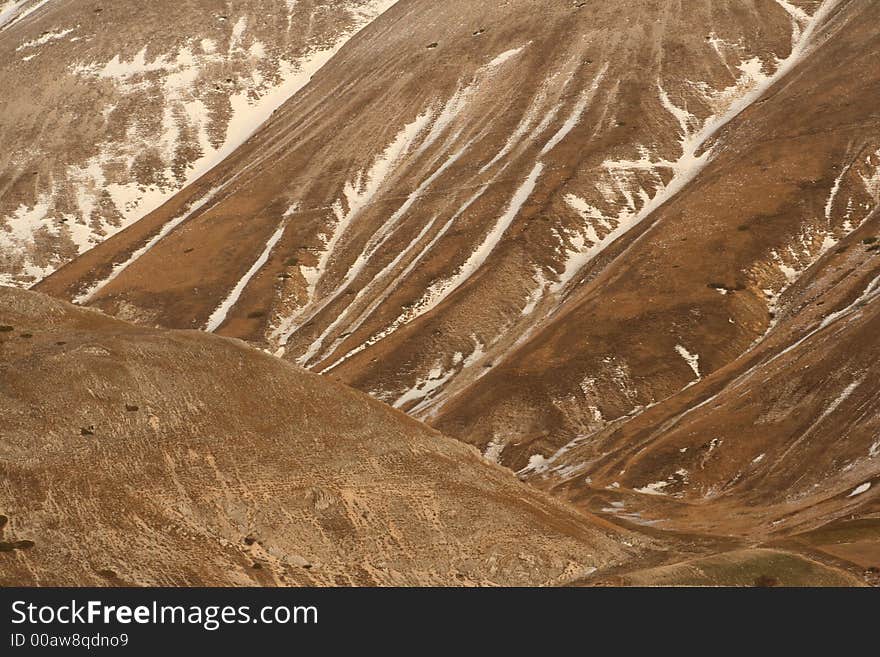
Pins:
x: 727, y: 263
x: 627, y: 249
x: 130, y: 455
x: 110, y: 108
x: 415, y: 201
x: 409, y: 237
x: 779, y: 442
x: 778, y: 430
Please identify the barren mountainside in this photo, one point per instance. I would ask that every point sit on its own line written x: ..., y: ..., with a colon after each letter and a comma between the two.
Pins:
x: 180, y: 458
x: 629, y: 251
x: 118, y: 105
x: 186, y: 459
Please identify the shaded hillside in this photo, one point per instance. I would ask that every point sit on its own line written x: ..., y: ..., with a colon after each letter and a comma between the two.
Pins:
x: 135, y: 456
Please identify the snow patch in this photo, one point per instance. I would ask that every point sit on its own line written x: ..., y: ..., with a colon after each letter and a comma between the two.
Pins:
x: 493, y: 451
x: 693, y: 360
x: 504, y: 57
x: 653, y: 489
x: 536, y: 465
x: 863, y: 488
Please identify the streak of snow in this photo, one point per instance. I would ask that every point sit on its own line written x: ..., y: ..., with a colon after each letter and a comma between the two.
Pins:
x: 15, y: 12
x: 835, y: 190
x: 833, y: 406
x: 799, y: 18
x: 7, y: 11
x: 505, y: 56
x: 537, y: 293
x: 219, y: 315
x: 872, y: 180
x: 577, y: 112
x: 359, y: 194
x: 45, y: 38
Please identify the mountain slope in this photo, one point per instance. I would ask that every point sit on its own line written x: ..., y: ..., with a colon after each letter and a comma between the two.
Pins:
x: 737, y: 338
x: 780, y: 442
x: 627, y: 250
x: 403, y: 201
x: 138, y: 456
x: 550, y: 234
x: 711, y: 274
x: 117, y: 106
